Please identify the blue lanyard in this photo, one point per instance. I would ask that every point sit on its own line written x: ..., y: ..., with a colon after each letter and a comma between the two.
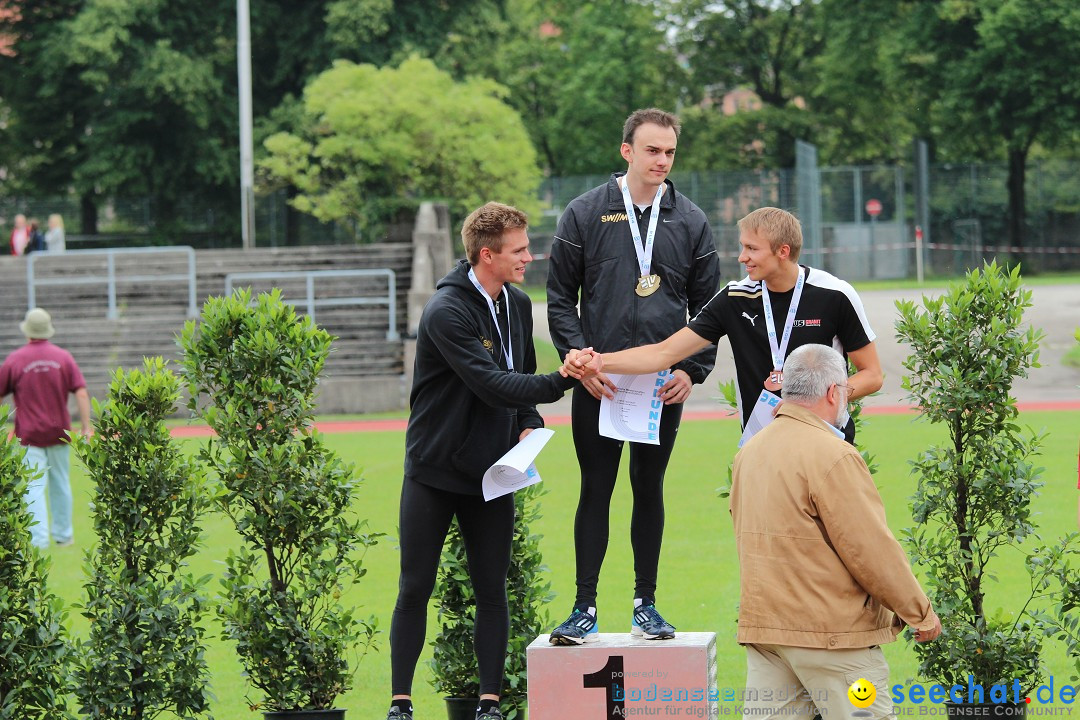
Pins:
x: 643, y: 250
x: 780, y: 352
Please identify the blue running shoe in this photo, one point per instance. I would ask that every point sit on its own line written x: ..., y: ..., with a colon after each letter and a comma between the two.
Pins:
x: 579, y: 628
x: 649, y: 624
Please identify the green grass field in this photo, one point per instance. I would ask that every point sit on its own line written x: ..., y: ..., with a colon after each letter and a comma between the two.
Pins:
x: 698, y: 587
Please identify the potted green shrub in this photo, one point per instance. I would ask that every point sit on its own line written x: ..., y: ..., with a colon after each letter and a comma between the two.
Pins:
x: 453, y: 665
x: 35, y: 655
x: 145, y: 652
x: 257, y: 365
x: 973, y: 499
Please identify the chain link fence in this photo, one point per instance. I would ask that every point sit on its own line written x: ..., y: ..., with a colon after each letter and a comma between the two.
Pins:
x: 968, y: 210
x: 968, y: 216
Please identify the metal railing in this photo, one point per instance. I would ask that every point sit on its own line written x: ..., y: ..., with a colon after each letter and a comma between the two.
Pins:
x: 110, y: 278
x: 310, y: 276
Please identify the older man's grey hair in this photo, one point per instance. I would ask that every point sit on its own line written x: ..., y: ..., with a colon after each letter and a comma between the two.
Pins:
x: 810, y: 370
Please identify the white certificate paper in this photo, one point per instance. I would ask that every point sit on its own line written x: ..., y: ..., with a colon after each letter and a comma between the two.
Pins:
x: 515, y: 469
x: 634, y: 414
x: 762, y: 414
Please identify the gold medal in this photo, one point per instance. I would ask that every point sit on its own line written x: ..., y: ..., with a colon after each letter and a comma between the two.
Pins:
x: 647, y: 285
x: 775, y: 381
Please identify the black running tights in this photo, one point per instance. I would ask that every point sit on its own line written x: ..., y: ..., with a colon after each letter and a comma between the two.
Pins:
x: 599, y: 458
x: 488, y: 529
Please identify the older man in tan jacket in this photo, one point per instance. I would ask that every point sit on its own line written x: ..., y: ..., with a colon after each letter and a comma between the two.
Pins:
x: 823, y: 581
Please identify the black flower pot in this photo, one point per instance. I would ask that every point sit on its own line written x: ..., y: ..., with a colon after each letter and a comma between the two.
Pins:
x: 984, y: 711
x: 334, y: 714
x: 461, y: 708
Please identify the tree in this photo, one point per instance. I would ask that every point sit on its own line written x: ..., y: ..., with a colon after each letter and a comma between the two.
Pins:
x: 767, y: 47
x: 377, y: 140
x: 1011, y: 78
x: 36, y: 655
x: 145, y: 654
x: 113, y: 98
x: 290, y: 497
x: 577, y: 70
x: 868, y: 111
x: 973, y: 500
x: 760, y: 139
x: 294, y: 41
x: 45, y: 108
x: 989, y: 72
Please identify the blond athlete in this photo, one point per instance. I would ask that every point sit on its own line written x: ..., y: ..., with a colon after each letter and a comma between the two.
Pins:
x: 779, y: 306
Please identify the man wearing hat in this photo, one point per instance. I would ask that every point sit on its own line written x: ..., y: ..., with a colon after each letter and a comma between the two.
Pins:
x: 40, y: 375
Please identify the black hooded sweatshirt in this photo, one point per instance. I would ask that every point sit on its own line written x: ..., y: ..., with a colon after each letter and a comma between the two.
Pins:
x: 467, y: 409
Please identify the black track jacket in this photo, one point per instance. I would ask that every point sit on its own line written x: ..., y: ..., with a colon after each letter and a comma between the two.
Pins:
x: 593, y: 253
x: 466, y: 409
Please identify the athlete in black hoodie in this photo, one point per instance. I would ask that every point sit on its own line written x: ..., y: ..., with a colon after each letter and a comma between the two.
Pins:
x: 473, y: 398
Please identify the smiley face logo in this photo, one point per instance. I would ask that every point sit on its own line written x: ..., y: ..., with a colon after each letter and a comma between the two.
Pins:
x: 862, y: 693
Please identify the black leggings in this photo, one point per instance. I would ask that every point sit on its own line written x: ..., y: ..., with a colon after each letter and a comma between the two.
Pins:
x: 599, y: 457
x: 487, y: 528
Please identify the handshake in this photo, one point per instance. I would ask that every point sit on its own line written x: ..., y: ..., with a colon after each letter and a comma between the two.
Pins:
x: 587, y: 365
x: 582, y: 364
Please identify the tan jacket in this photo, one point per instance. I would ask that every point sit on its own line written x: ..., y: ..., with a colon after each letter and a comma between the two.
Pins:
x: 819, y: 566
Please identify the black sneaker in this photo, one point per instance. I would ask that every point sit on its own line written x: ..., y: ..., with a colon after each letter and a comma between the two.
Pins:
x: 492, y: 714
x: 396, y: 714
x: 579, y: 628
x: 650, y: 625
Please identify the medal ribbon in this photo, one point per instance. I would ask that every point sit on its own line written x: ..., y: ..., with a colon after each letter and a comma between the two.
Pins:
x: 779, y: 352
x: 506, y: 347
x: 642, y: 249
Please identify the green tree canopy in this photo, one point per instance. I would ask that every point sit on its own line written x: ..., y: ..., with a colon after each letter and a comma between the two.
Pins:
x: 767, y: 46
x: 982, y: 78
x: 577, y: 70
x: 376, y: 140
x: 122, y: 97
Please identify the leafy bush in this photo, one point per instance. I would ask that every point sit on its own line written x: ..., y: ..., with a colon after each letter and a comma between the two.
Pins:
x: 974, y: 494
x: 364, y: 148
x: 34, y: 653
x: 145, y: 653
x: 454, y: 669
x: 258, y: 364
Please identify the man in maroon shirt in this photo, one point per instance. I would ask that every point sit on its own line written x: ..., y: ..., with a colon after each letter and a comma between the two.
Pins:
x: 40, y: 376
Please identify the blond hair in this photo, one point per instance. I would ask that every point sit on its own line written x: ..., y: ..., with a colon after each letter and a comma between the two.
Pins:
x: 777, y: 226
x: 485, y: 226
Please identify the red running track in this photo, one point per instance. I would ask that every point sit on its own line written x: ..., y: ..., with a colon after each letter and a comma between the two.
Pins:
x: 399, y: 424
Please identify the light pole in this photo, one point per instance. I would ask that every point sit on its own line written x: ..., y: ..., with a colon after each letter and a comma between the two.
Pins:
x: 247, y: 153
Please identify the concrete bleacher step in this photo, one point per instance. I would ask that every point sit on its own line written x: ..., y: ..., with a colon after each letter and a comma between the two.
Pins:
x: 152, y: 314
x: 622, y: 676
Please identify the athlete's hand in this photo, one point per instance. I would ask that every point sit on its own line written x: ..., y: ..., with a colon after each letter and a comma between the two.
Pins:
x: 524, y: 434
x: 599, y: 386
x: 677, y: 389
x: 575, y: 362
